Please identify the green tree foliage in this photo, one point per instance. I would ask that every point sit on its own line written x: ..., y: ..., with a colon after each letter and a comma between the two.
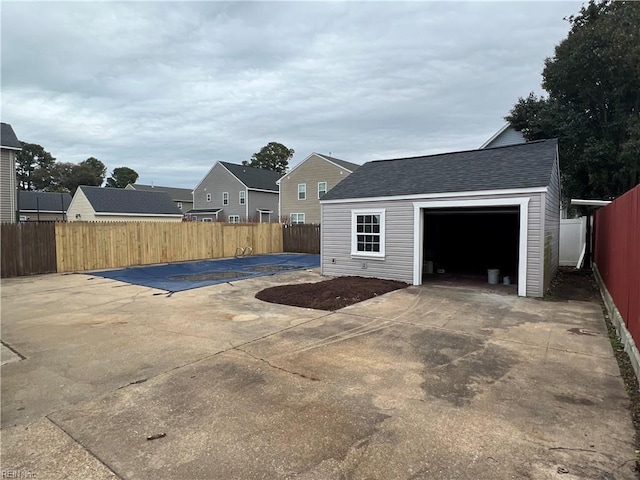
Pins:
x: 121, y: 177
x: 33, y: 167
x: 593, y: 102
x: 273, y: 156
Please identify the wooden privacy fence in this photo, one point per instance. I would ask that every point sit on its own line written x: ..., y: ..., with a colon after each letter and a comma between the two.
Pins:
x: 90, y: 246
x: 303, y: 238
x: 27, y: 249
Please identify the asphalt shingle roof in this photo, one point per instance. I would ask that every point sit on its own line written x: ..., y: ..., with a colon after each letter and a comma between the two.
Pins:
x: 120, y: 200
x: 252, y: 177
x: 177, y: 194
x: 526, y: 165
x: 343, y: 163
x: 8, y: 136
x: 43, y: 201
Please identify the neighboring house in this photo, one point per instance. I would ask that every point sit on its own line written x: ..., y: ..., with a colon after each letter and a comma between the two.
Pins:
x: 96, y: 204
x: 10, y: 146
x: 303, y: 187
x: 507, y: 135
x: 236, y: 193
x: 453, y: 213
x: 43, y: 206
x: 182, y: 197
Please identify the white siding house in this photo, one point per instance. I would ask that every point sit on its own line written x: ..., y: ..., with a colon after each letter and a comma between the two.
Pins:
x: 463, y: 211
x: 95, y: 204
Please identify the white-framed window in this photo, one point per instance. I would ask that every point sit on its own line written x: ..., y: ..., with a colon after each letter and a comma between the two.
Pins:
x: 297, y: 218
x: 179, y: 204
x: 208, y: 197
x: 302, y: 191
x: 234, y: 218
x: 242, y: 197
x: 322, y: 189
x: 225, y: 198
x: 207, y: 220
x: 367, y: 233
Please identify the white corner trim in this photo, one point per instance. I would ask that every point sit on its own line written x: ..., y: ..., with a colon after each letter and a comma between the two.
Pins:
x: 427, y: 196
x: 418, y: 232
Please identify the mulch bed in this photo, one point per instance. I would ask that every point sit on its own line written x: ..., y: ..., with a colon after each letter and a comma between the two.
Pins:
x: 331, y: 294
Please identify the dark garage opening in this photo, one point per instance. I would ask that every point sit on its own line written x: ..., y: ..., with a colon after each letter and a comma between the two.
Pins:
x: 463, y: 243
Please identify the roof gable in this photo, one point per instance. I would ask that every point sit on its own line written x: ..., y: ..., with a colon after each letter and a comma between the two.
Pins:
x: 120, y: 200
x: 177, y: 194
x: 43, y: 201
x: 350, y: 167
x: 527, y: 165
x: 253, y: 178
x: 8, y: 137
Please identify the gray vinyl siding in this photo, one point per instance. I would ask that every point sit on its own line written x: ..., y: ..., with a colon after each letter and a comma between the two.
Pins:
x: 552, y: 227
x: 312, y: 171
x: 509, y: 137
x: 8, y: 186
x: 398, y: 261
x: 217, y: 181
x: 336, y: 242
x: 186, y: 206
x: 263, y: 201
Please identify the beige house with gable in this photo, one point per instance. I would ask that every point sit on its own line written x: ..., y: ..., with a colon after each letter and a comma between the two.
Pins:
x: 302, y: 187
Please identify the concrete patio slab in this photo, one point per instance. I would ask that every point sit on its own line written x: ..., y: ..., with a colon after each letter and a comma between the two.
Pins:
x: 429, y: 382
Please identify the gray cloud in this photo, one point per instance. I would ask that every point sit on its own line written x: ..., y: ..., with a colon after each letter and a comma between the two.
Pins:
x: 168, y: 88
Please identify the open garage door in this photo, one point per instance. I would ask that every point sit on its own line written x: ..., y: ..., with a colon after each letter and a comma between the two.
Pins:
x: 462, y: 244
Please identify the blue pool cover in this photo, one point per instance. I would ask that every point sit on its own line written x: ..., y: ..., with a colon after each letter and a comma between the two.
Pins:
x: 176, y: 277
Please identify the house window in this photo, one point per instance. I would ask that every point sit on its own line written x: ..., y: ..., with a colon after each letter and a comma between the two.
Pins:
x: 207, y: 220
x: 179, y: 205
x: 322, y: 189
x: 243, y: 196
x: 302, y: 191
x: 225, y: 198
x: 297, y: 218
x: 367, y: 233
x: 234, y: 218
x: 208, y: 197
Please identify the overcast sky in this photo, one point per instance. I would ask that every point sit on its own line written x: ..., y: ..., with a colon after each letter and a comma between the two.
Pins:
x: 169, y: 88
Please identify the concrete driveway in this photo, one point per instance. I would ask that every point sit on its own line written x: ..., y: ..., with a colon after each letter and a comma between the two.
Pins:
x: 423, y: 383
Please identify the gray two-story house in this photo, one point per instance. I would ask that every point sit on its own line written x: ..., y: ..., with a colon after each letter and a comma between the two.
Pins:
x: 236, y: 193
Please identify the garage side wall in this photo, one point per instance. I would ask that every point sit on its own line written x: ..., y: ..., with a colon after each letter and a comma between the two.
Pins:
x: 398, y: 261
x: 336, y: 242
x: 552, y: 228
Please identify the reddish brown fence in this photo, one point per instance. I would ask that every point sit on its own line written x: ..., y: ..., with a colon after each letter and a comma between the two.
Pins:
x: 301, y: 238
x: 27, y: 248
x: 617, y: 255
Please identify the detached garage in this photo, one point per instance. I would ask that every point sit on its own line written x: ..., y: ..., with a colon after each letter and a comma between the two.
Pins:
x: 459, y: 213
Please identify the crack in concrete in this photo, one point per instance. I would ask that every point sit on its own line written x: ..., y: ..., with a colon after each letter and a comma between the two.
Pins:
x: 302, y: 375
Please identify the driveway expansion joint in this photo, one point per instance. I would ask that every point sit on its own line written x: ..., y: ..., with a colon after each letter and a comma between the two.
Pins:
x: 85, y: 448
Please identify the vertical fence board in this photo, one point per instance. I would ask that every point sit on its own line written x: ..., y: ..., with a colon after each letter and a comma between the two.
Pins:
x: 27, y: 249
x: 617, y: 255
x: 301, y: 238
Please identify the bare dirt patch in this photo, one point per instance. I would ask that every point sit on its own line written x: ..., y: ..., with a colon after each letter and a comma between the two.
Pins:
x: 331, y: 294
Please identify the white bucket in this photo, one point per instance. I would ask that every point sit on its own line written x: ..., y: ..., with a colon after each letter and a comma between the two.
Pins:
x: 493, y: 274
x: 506, y: 280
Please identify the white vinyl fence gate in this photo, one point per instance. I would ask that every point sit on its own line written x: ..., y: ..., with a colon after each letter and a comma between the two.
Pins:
x: 572, y: 244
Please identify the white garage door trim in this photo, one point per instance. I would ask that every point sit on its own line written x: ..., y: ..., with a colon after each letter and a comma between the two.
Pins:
x: 418, y: 232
